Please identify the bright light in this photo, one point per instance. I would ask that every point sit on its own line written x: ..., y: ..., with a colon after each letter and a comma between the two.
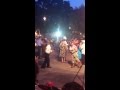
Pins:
x: 44, y: 18
x: 58, y: 34
x: 65, y: 37
x: 36, y: 0
x: 69, y: 27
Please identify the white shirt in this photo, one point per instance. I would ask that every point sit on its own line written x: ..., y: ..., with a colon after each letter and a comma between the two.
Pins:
x: 48, y: 49
x: 82, y: 46
x: 35, y: 44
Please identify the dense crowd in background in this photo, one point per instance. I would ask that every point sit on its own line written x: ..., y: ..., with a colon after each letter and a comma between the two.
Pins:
x: 77, y: 49
x: 43, y: 49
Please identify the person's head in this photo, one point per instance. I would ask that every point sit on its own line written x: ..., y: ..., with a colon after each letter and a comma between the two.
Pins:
x: 82, y: 42
x: 72, y: 86
x: 37, y: 31
x: 78, y: 41
x: 71, y: 43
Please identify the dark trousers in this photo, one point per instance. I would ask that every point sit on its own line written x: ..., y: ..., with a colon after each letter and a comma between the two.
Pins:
x: 36, y: 51
x: 39, y: 51
x: 46, y: 61
x: 83, y: 59
x: 43, y: 50
x: 36, y: 70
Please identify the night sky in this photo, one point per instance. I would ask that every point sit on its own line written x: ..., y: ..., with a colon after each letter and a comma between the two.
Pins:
x: 76, y: 3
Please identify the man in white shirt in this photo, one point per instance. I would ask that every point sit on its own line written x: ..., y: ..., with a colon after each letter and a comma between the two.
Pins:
x: 46, y: 62
x: 48, y: 49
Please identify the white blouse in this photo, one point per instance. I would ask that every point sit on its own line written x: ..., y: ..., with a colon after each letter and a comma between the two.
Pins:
x: 48, y: 49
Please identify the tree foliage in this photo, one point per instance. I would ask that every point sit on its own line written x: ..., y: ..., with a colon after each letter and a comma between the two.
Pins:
x: 59, y: 12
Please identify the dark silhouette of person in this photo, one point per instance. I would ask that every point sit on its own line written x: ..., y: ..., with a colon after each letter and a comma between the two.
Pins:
x: 72, y: 86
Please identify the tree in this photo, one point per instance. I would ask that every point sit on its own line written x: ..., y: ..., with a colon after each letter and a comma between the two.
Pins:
x: 77, y: 19
x: 59, y: 12
x: 55, y: 11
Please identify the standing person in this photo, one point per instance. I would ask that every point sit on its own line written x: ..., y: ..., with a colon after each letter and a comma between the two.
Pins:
x: 79, y: 53
x: 74, y: 52
x: 43, y: 46
x: 38, y: 42
x: 82, y: 46
x: 48, y: 50
x: 36, y: 49
x: 63, y: 49
x: 36, y: 53
x: 66, y: 44
x: 77, y: 43
x: 36, y: 63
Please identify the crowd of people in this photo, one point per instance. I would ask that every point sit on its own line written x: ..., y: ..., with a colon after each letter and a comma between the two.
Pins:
x: 77, y: 49
x: 43, y: 48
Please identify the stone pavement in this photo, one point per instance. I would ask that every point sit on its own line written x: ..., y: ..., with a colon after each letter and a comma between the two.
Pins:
x: 60, y: 73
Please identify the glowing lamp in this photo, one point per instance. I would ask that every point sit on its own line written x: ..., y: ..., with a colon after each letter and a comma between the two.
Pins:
x: 65, y: 37
x: 44, y: 18
x: 58, y: 34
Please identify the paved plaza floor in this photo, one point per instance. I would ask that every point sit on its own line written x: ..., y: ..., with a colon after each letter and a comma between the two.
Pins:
x: 60, y: 73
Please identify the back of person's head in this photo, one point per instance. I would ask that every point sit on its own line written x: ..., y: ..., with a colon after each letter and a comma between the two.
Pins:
x: 72, y: 86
